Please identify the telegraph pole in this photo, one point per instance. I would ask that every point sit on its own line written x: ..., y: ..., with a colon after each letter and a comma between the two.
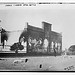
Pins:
x: 0, y: 32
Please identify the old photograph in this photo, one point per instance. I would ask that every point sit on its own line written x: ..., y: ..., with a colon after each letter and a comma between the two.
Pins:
x: 37, y: 37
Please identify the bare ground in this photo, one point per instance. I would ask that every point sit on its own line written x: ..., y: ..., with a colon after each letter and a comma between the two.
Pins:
x: 41, y: 63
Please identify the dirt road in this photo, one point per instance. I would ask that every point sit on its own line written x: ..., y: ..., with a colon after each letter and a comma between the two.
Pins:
x: 40, y: 63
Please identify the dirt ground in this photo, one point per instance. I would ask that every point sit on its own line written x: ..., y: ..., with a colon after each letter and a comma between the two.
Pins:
x: 40, y: 63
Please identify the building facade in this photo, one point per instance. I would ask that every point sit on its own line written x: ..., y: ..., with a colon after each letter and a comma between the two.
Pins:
x: 43, y: 39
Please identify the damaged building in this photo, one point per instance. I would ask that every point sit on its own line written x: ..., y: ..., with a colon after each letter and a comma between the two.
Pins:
x: 35, y: 40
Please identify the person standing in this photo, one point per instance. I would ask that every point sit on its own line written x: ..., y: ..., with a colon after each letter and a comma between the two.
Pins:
x: 17, y: 47
x: 54, y: 50
x: 46, y: 43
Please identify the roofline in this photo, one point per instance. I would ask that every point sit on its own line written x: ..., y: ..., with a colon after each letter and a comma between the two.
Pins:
x: 46, y: 22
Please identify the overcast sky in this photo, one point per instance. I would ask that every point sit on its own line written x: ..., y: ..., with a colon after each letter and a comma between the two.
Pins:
x: 62, y: 18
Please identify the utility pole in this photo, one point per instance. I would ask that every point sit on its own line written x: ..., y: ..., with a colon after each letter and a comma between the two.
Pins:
x: 0, y: 32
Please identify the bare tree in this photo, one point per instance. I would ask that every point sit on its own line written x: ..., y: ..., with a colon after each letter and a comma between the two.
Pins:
x: 4, y: 36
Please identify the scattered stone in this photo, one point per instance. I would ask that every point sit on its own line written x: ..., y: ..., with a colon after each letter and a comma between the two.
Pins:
x: 18, y: 61
x: 69, y: 68
x: 50, y: 67
x: 2, y: 59
x: 70, y: 57
x: 26, y: 60
x: 40, y: 66
x: 64, y: 68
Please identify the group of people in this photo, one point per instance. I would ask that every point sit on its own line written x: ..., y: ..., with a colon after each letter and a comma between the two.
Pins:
x: 55, y: 47
x: 34, y: 43
x: 38, y: 43
x: 21, y: 45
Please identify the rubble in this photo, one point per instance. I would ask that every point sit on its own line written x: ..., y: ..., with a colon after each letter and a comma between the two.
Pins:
x: 69, y: 68
x: 40, y: 66
x: 18, y: 61
x: 2, y: 59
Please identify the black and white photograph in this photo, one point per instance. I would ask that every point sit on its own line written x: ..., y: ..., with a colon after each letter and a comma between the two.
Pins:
x: 37, y: 37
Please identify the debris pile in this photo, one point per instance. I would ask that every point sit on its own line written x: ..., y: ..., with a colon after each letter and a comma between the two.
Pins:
x: 69, y: 68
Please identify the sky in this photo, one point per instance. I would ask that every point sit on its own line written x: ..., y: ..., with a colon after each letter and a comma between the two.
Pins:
x: 62, y: 18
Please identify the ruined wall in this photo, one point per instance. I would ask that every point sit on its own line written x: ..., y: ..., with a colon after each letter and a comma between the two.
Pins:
x: 37, y: 39
x: 49, y: 38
